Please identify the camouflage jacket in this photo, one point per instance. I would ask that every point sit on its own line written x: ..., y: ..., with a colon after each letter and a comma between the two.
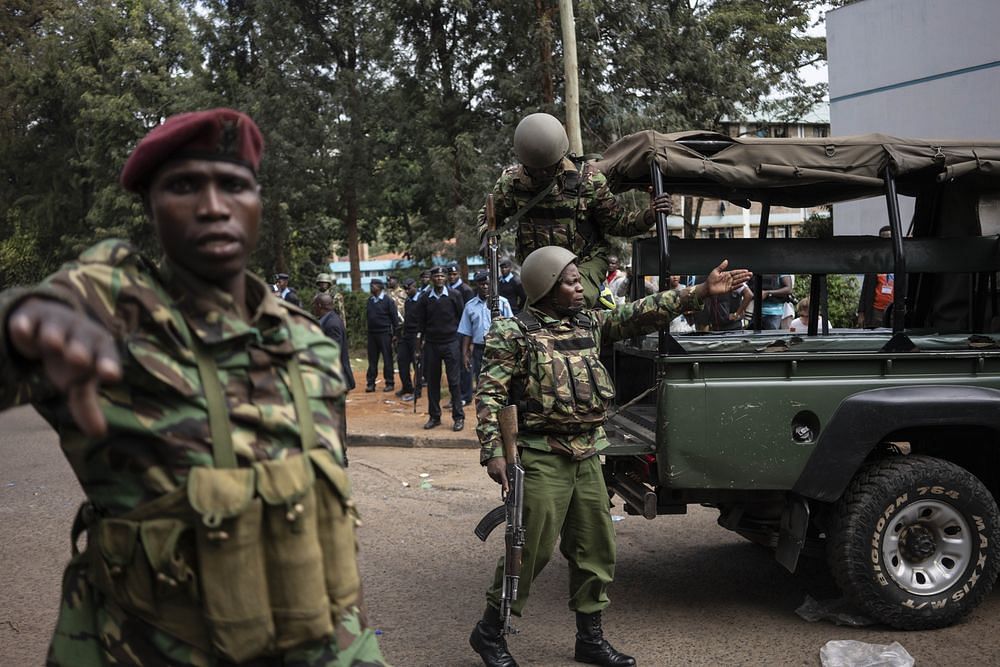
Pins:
x: 512, y: 368
x: 577, y: 214
x: 157, y: 416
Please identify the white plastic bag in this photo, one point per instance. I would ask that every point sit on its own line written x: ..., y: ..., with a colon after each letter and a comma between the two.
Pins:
x: 850, y: 653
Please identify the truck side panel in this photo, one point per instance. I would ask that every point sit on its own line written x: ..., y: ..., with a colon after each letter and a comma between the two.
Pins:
x: 752, y: 423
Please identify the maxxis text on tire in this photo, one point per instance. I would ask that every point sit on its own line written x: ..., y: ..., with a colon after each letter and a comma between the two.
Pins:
x: 915, y: 541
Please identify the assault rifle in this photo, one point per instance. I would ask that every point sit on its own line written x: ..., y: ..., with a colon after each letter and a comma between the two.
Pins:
x: 493, y: 257
x: 511, y: 513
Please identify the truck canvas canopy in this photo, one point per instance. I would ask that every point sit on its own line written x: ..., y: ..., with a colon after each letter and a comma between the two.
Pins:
x: 947, y: 178
x: 797, y: 172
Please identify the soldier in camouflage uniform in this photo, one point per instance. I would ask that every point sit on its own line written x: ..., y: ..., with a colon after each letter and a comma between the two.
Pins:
x: 564, y: 202
x: 203, y: 418
x: 546, y: 361
x: 398, y: 295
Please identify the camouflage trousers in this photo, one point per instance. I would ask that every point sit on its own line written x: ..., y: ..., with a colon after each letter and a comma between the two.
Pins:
x: 568, y: 500
x: 93, y: 632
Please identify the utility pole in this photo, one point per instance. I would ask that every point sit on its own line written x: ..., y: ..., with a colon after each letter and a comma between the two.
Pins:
x: 568, y: 24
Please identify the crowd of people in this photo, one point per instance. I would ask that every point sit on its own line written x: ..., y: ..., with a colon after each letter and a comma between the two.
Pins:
x: 415, y: 331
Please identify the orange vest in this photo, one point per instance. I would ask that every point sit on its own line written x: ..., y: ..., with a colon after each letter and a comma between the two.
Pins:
x: 883, y: 290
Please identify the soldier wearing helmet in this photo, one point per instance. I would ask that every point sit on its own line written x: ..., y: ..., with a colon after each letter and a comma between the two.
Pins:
x: 323, y: 283
x: 553, y: 199
x: 546, y: 361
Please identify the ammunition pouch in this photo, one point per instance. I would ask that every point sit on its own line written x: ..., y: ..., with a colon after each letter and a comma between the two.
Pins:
x: 570, y: 390
x: 242, y: 562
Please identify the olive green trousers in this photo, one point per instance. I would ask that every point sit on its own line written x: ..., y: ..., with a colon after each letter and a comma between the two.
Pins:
x: 564, y: 499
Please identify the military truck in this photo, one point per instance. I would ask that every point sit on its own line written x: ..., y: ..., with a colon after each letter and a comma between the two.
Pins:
x: 879, y: 447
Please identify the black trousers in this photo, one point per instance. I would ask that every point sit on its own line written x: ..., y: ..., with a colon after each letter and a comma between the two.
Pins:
x: 380, y: 344
x: 477, y: 361
x: 465, y: 382
x: 450, y: 354
x: 406, y: 351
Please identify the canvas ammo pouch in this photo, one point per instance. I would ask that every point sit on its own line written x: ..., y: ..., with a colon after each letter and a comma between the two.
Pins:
x: 242, y: 562
x: 570, y: 390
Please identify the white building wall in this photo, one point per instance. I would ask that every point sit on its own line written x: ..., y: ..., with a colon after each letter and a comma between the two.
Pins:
x: 912, y: 68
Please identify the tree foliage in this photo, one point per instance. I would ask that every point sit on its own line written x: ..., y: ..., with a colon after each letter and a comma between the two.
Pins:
x: 384, y: 121
x: 842, y: 291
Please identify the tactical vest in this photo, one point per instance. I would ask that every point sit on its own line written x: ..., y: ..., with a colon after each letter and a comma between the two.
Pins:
x: 561, y: 218
x: 240, y: 562
x: 568, y: 391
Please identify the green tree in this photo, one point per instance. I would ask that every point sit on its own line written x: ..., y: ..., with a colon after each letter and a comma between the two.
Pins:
x: 81, y: 80
x: 842, y: 291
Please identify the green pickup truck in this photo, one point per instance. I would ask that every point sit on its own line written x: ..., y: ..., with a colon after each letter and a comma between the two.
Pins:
x: 879, y: 448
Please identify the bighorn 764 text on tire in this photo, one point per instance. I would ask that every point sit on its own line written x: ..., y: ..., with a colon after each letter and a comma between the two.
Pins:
x: 915, y: 541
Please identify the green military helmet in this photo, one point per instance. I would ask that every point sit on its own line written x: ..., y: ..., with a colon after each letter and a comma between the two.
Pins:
x: 540, y: 141
x: 324, y: 278
x: 542, y: 268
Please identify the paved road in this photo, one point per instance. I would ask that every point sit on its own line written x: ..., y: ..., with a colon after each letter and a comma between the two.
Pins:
x: 687, y: 591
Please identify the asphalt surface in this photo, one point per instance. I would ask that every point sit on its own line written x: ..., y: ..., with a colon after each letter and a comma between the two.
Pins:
x: 687, y: 592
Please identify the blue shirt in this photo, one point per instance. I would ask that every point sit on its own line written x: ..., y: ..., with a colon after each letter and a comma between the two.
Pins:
x: 775, y: 306
x: 476, y: 318
x: 434, y: 295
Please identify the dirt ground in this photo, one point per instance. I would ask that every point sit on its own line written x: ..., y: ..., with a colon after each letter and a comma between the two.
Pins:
x: 686, y: 592
x: 385, y: 416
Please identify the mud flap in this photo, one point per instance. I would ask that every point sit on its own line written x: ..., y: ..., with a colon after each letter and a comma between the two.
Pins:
x: 792, y: 536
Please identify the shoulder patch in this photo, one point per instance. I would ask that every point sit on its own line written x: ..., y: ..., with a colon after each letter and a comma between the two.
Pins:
x: 113, y: 252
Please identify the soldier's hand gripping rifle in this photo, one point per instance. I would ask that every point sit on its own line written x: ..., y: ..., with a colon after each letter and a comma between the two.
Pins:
x: 511, y: 513
x: 493, y: 257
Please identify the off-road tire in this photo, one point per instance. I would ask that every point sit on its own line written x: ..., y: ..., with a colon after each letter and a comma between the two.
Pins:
x: 915, y: 542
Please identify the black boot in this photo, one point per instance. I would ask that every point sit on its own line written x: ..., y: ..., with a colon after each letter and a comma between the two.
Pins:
x: 592, y: 647
x: 488, y: 641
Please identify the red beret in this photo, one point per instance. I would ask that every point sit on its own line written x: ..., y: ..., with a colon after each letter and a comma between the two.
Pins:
x: 215, y: 134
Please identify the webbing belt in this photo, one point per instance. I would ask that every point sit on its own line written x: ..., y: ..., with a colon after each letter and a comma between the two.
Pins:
x: 218, y: 413
x: 512, y: 220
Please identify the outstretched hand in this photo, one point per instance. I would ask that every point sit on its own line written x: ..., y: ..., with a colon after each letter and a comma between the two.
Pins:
x: 721, y: 281
x: 76, y: 355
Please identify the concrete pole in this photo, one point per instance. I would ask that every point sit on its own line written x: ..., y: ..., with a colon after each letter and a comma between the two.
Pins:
x: 568, y: 24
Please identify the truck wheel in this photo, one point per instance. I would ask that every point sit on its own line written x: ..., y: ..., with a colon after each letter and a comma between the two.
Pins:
x: 915, y: 542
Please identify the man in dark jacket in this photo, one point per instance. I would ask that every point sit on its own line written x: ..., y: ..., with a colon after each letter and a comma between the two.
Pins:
x: 286, y: 292
x: 510, y: 286
x: 382, y: 321
x: 407, y: 348
x: 333, y: 326
x: 439, y: 312
x: 456, y: 284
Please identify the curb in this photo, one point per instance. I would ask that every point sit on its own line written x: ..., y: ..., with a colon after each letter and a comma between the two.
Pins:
x: 415, y: 441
